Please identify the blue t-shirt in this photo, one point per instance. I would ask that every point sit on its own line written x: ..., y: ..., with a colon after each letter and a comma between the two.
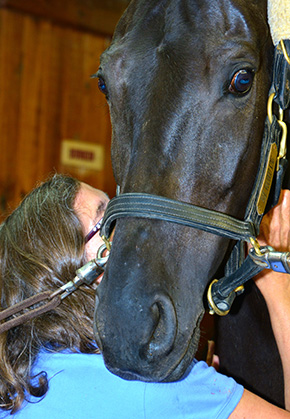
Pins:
x: 80, y: 386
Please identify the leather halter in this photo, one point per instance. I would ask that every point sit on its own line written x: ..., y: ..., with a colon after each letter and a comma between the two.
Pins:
x: 271, y: 170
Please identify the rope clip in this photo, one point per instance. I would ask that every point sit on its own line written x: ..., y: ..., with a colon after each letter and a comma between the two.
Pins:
x: 86, y: 274
x: 269, y: 258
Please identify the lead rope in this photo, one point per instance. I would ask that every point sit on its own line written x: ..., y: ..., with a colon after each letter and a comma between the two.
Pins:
x: 49, y: 300
x: 52, y: 303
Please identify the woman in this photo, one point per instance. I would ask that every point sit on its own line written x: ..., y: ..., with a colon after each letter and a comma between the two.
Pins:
x: 42, y: 243
x: 49, y: 368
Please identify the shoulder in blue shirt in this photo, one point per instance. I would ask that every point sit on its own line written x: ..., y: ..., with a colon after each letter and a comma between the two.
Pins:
x: 80, y: 386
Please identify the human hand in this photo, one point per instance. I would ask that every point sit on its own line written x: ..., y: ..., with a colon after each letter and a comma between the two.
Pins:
x: 275, y: 231
x: 275, y: 225
x: 275, y: 287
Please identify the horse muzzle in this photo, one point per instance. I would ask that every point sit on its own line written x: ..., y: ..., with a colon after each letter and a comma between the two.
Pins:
x: 138, y: 337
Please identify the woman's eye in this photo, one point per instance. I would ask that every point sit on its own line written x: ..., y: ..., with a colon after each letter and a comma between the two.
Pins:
x: 242, y: 81
x: 102, y: 86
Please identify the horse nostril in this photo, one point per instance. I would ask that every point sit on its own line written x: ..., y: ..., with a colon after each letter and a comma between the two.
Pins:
x: 163, y: 336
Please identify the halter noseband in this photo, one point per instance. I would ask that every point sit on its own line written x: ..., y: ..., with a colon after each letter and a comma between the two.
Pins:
x: 272, y: 161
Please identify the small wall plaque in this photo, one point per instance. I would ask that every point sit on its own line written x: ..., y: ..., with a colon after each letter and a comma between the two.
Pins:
x: 82, y: 155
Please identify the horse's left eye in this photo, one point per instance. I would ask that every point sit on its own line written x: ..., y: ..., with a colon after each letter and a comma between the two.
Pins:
x: 102, y: 86
x: 242, y: 81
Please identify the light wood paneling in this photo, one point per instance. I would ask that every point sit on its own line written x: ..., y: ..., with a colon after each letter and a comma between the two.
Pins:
x: 93, y: 15
x: 46, y: 95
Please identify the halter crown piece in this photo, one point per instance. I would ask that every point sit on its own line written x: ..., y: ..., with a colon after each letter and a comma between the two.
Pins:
x: 265, y: 194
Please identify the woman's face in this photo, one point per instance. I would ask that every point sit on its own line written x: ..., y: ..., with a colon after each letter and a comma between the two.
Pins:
x: 90, y: 205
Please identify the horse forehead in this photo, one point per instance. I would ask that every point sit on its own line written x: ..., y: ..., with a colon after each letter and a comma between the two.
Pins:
x: 180, y: 26
x: 145, y: 14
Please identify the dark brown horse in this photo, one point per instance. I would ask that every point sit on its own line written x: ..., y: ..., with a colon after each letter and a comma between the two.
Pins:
x: 187, y: 83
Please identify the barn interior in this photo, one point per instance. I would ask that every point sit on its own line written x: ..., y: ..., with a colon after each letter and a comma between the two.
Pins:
x: 53, y: 117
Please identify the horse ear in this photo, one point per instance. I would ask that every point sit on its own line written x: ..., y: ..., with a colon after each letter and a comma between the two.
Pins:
x: 126, y: 20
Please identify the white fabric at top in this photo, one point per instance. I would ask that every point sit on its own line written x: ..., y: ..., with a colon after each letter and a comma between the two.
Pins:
x: 279, y: 19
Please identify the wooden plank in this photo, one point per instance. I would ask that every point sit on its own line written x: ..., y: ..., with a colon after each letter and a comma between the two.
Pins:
x: 47, y: 95
x: 93, y: 15
x: 30, y: 106
x: 84, y: 111
x: 49, y: 100
x: 10, y: 82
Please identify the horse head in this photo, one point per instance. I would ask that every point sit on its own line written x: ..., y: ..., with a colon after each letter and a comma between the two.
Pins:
x: 187, y: 84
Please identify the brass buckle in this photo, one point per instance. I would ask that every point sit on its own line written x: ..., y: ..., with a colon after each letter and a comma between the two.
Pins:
x: 107, y: 243
x: 214, y: 309
x: 283, y: 141
x: 254, y: 242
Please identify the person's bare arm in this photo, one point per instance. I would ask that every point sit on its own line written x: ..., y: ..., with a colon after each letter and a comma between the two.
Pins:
x: 253, y: 407
x: 275, y: 287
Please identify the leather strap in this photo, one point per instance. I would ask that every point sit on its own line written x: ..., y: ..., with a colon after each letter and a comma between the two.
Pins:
x: 223, y: 291
x: 281, y: 75
x: 165, y: 209
x: 51, y: 304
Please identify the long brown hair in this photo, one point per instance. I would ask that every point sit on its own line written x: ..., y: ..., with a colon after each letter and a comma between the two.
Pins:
x: 41, y: 246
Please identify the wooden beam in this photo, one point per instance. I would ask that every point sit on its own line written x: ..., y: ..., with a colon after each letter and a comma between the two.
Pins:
x: 98, y: 16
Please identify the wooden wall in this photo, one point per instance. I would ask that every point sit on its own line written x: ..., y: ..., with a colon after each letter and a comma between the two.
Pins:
x: 46, y: 96
x: 99, y: 16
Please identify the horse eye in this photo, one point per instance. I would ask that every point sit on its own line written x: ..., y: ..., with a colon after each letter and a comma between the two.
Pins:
x: 102, y: 86
x: 242, y: 81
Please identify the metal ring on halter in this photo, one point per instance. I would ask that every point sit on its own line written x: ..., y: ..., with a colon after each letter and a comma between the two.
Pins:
x: 214, y: 308
x: 269, y: 107
x: 107, y: 243
x: 283, y: 141
x: 254, y: 242
x: 100, y: 259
